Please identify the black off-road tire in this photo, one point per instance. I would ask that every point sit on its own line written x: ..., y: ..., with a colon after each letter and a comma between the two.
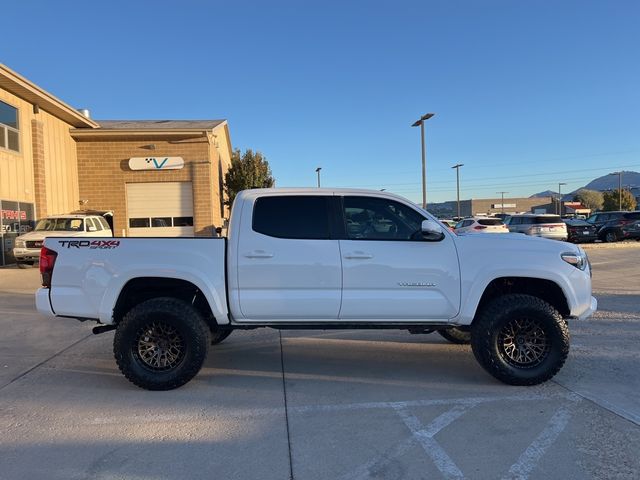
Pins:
x: 218, y: 336
x: 174, y: 315
x: 456, y: 335
x: 488, y: 344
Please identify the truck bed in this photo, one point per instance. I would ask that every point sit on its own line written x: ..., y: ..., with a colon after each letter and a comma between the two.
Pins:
x: 90, y: 273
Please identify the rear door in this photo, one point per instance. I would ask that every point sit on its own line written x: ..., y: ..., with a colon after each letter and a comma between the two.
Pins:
x: 390, y: 273
x: 288, y: 266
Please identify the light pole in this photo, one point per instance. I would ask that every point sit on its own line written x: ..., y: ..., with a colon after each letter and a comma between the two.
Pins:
x: 457, y: 167
x: 619, y: 188
x: 502, y: 200
x: 560, y: 197
x: 318, y: 172
x: 420, y: 123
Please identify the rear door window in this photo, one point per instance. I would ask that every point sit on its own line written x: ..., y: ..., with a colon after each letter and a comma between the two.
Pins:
x: 292, y: 216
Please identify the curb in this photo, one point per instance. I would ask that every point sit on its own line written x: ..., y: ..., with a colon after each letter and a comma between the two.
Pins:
x: 599, y: 246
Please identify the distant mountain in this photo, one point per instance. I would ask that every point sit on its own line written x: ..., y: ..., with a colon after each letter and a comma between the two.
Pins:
x: 608, y: 182
x: 546, y: 193
x: 603, y: 183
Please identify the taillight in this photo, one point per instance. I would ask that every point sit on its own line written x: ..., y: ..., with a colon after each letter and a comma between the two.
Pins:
x: 47, y: 261
x: 479, y: 227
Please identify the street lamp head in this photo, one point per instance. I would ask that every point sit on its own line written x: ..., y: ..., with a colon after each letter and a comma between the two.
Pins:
x: 424, y: 117
x: 318, y: 169
x: 458, y: 165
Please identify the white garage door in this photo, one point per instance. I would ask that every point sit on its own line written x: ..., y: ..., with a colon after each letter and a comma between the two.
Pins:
x: 160, y: 209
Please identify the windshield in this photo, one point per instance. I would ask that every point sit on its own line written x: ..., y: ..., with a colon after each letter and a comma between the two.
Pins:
x: 577, y: 223
x: 60, y: 225
x: 547, y: 219
x: 490, y: 221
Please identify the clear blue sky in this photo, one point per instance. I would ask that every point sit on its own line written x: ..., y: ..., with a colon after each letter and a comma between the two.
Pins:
x: 526, y: 94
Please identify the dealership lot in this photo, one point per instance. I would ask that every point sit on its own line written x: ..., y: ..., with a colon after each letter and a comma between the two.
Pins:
x: 322, y: 404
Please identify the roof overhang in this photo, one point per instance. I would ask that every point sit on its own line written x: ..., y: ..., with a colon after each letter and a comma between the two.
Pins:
x: 125, y: 132
x: 28, y: 91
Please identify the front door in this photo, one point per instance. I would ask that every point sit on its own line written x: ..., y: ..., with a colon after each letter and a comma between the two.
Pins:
x: 390, y: 273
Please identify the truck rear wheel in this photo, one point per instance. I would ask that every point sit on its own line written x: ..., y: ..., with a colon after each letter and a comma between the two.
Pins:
x: 161, y: 344
x: 520, y: 339
x: 456, y: 335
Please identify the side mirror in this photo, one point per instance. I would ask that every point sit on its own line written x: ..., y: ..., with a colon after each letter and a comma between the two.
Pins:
x: 431, y: 231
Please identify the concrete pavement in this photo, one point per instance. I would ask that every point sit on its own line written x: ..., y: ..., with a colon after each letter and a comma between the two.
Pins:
x: 353, y: 404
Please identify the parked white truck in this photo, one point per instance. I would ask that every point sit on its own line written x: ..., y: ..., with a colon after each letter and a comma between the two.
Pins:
x: 321, y: 259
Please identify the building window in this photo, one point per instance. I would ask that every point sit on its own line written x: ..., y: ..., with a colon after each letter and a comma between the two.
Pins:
x: 138, y: 223
x: 183, y: 221
x: 9, y: 128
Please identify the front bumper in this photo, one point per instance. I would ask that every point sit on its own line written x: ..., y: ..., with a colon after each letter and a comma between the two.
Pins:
x: 26, y: 254
x: 589, y: 311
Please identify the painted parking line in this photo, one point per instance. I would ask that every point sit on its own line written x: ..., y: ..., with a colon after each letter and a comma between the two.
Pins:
x: 425, y: 437
x: 312, y: 409
x: 534, y: 452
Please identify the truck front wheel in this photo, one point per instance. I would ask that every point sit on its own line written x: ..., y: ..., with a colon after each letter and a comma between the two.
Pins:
x: 520, y: 339
x: 161, y: 343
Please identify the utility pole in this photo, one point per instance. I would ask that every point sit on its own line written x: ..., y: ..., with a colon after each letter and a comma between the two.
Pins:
x: 318, y: 172
x: 502, y: 200
x: 457, y: 167
x: 420, y: 123
x: 560, y: 197
x: 619, y: 188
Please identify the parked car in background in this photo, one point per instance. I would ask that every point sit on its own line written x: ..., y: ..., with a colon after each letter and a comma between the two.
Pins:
x: 27, y: 247
x: 613, y: 230
x: 538, y: 225
x: 481, y: 225
x: 580, y: 231
x: 600, y: 218
x: 450, y: 224
x: 632, y: 230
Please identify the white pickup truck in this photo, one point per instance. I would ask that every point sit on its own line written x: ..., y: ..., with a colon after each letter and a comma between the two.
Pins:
x: 321, y: 259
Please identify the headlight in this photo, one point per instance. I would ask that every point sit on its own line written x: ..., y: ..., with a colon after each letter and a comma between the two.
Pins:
x: 578, y: 260
x: 20, y: 244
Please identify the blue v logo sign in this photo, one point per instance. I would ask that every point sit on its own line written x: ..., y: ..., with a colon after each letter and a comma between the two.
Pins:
x: 155, y: 162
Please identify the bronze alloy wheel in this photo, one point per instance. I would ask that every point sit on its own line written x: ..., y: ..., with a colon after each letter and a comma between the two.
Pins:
x: 523, y: 343
x: 159, y: 346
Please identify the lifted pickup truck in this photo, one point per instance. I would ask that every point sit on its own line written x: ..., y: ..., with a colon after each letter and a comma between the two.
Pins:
x: 321, y: 259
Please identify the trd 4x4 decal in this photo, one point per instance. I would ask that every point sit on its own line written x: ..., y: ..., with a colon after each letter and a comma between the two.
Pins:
x: 101, y: 244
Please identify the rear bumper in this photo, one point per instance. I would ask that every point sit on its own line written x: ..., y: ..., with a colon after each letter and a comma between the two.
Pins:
x: 43, y: 305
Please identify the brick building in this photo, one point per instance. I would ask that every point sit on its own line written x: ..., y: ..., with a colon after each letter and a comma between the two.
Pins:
x: 491, y: 206
x: 159, y: 177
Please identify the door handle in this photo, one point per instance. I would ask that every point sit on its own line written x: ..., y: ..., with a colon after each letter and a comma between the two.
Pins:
x: 258, y: 254
x: 358, y: 255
